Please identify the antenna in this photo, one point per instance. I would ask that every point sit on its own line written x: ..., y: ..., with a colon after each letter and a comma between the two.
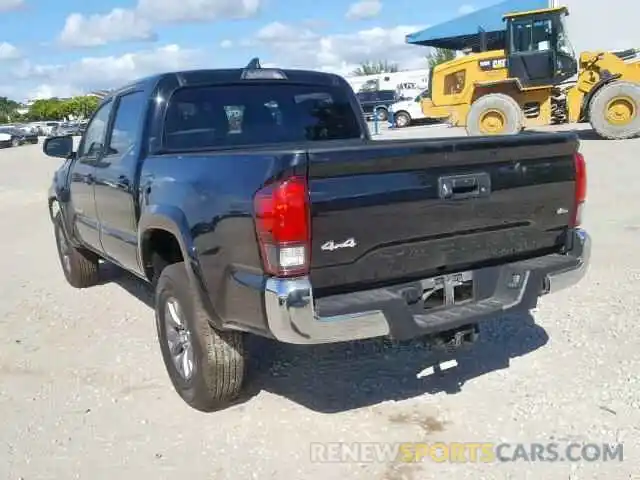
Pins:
x: 254, y: 64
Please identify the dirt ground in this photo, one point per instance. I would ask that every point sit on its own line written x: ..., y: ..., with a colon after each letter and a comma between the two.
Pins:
x: 84, y: 394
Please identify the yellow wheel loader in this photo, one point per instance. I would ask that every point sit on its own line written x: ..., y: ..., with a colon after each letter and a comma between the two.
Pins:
x: 532, y: 82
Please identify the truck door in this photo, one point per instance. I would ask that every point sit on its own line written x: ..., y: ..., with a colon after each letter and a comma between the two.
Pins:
x: 115, y: 184
x: 532, y: 56
x: 82, y: 178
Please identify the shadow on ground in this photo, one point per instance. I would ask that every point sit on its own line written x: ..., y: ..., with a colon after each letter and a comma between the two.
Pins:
x: 110, y: 273
x: 340, y: 377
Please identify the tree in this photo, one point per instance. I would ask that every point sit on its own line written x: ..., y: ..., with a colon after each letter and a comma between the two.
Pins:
x: 59, y: 109
x: 440, y: 55
x: 374, y: 68
x: 8, y: 110
x: 81, y: 107
x: 47, y: 109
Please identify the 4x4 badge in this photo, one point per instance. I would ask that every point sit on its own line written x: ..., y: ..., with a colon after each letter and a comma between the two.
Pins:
x: 330, y: 246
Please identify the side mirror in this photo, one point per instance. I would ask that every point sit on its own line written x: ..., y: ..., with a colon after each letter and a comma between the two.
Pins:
x: 60, y: 147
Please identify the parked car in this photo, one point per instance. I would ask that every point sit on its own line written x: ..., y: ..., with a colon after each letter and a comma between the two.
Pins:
x: 297, y: 226
x: 66, y: 129
x: 408, y: 112
x: 6, y: 139
x: 50, y: 127
x: 28, y: 134
x: 377, y: 103
x: 19, y: 137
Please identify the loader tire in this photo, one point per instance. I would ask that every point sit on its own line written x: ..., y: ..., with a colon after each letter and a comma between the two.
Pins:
x: 614, y: 111
x: 495, y: 114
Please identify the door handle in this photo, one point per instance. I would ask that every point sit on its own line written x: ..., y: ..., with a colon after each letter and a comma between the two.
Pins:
x: 464, y: 186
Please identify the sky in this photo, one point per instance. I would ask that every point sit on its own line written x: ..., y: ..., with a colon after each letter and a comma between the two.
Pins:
x: 69, y: 47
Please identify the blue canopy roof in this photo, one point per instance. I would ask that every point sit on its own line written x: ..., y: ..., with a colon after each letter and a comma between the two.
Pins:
x: 463, y: 32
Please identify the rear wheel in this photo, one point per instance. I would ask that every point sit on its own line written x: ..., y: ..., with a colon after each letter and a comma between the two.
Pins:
x: 495, y: 114
x: 613, y: 111
x: 403, y: 119
x: 206, y: 366
x: 381, y: 114
x: 80, y: 266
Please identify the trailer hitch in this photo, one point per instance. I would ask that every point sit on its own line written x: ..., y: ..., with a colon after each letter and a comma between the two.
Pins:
x: 454, y: 340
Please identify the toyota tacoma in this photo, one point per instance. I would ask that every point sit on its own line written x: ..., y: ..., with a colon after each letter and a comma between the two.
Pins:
x: 255, y: 202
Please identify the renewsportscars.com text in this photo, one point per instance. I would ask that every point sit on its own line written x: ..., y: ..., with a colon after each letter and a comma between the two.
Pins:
x: 467, y: 452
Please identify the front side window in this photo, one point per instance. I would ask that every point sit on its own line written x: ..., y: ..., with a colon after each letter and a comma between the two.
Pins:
x: 94, y: 136
x: 232, y: 115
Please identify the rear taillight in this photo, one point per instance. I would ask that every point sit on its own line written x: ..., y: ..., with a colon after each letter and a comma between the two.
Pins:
x: 282, y: 227
x: 581, y: 189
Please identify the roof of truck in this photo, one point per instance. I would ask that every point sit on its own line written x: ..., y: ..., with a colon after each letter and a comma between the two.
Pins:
x: 222, y: 76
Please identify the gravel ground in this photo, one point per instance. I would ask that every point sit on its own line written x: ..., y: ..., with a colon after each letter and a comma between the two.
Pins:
x: 84, y: 394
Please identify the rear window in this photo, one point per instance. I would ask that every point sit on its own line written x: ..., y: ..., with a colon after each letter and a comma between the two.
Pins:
x: 239, y: 115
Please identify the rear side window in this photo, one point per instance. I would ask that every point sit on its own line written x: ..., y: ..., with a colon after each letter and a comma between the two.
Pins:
x: 126, y: 125
x: 240, y: 115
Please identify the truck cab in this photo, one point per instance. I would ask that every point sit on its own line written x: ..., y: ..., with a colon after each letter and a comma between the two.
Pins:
x: 538, y: 51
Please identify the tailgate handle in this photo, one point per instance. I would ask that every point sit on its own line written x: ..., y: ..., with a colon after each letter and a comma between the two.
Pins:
x: 464, y: 186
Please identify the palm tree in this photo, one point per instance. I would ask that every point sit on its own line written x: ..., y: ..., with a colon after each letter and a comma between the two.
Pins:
x: 373, y: 68
x: 440, y: 55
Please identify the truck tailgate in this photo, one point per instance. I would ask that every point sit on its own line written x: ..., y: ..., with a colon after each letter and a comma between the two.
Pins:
x: 387, y: 211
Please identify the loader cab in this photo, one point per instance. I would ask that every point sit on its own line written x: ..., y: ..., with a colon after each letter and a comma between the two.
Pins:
x: 538, y: 49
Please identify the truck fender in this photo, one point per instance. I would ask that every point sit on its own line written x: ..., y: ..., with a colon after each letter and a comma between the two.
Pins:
x: 586, y: 101
x: 173, y: 220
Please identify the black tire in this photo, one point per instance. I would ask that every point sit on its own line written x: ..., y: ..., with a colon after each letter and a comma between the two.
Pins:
x: 628, y: 94
x: 80, y: 266
x: 402, y: 119
x: 217, y: 357
x: 500, y: 104
x: 381, y: 114
x: 15, y: 142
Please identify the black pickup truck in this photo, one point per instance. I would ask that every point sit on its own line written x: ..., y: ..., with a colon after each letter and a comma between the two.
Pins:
x: 255, y: 202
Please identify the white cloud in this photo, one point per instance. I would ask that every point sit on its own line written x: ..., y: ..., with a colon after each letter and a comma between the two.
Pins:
x: 94, y: 30
x: 137, y: 24
x: 277, y: 33
x: 226, y: 44
x: 286, y: 45
x: 8, y: 51
x: 292, y: 46
x: 465, y: 9
x: 173, y: 11
x: 92, y: 73
x: 47, y: 91
x: 364, y: 9
x: 7, y: 5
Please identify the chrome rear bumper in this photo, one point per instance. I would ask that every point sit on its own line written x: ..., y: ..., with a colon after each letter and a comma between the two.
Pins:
x: 294, y: 317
